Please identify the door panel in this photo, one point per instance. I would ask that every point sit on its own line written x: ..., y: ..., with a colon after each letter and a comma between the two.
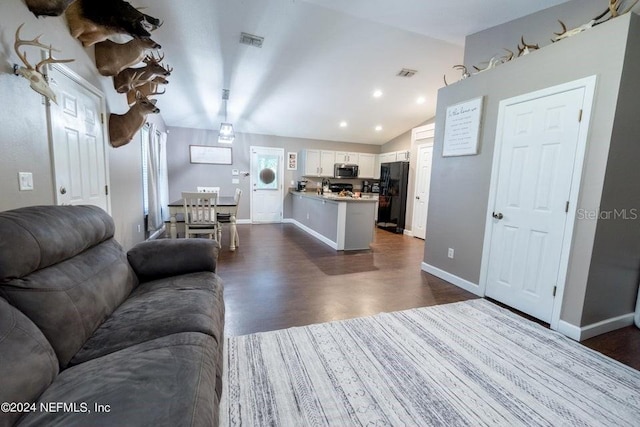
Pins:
x: 423, y: 182
x: 267, y: 172
x: 78, y: 143
x: 538, y: 148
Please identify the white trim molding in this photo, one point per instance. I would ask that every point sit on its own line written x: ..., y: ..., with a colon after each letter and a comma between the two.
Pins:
x: 458, y: 281
x: 314, y: 233
x: 581, y: 333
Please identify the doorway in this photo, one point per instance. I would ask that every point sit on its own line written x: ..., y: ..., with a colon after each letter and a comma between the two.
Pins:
x: 424, y: 137
x: 540, y: 145
x: 77, y: 140
x: 267, y: 195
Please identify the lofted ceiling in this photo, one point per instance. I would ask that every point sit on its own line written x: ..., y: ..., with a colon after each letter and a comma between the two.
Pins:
x: 320, y: 62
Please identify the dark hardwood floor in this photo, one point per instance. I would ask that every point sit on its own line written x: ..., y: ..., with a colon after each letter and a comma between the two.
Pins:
x: 281, y: 277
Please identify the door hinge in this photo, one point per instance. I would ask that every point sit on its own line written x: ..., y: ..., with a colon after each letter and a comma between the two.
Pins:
x: 555, y: 288
x: 580, y: 116
x: 566, y: 207
x: 106, y: 190
x: 102, y: 118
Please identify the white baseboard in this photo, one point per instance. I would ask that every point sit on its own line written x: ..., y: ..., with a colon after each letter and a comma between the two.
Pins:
x: 408, y: 233
x: 581, y: 333
x: 315, y: 234
x: 243, y: 221
x: 458, y: 281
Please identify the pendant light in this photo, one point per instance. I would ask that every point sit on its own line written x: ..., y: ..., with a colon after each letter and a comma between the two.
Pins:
x: 226, y: 134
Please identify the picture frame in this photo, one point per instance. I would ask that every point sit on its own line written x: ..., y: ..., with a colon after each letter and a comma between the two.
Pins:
x: 462, y: 128
x: 212, y: 155
x: 292, y: 161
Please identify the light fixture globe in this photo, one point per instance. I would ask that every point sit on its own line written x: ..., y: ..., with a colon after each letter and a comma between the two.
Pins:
x: 226, y: 135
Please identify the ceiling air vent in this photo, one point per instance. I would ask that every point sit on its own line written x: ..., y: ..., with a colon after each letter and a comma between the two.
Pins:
x: 405, y: 72
x: 251, y: 40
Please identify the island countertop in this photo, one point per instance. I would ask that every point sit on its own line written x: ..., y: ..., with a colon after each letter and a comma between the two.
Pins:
x: 334, y: 197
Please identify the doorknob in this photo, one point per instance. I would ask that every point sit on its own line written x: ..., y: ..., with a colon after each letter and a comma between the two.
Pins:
x: 63, y: 190
x: 497, y: 215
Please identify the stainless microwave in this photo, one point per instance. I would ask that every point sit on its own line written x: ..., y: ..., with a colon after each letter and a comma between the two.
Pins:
x: 345, y: 170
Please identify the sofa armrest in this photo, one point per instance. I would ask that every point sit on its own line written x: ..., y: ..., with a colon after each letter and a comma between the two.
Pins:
x: 170, y: 257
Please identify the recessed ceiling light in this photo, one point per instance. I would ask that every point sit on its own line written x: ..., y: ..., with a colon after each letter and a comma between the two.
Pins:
x: 343, y: 124
x: 377, y: 93
x: 421, y: 100
x: 378, y: 128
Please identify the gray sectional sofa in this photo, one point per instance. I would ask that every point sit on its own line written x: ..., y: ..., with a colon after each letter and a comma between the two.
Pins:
x: 91, y: 335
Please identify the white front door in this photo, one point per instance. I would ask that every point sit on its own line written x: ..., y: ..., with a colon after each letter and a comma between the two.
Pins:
x: 77, y: 139
x: 267, y: 173
x: 536, y: 161
x: 423, y: 181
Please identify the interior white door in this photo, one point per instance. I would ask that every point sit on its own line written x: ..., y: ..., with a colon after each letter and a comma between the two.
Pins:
x: 267, y: 172
x: 423, y: 181
x: 536, y: 160
x: 77, y: 140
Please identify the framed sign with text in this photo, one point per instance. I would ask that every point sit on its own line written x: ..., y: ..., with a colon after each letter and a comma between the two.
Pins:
x: 462, y: 128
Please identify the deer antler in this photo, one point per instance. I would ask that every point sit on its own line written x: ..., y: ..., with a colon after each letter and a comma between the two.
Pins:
x: 20, y: 42
x: 155, y: 92
x: 564, y: 29
x: 151, y: 59
x: 51, y: 60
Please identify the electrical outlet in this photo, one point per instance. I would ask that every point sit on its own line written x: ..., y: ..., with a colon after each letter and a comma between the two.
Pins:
x: 307, y: 215
x: 139, y: 228
x: 25, y: 180
x: 450, y: 253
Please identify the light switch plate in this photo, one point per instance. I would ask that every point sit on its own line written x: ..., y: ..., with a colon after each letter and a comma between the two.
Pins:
x: 235, y: 172
x: 25, y: 179
x: 235, y: 181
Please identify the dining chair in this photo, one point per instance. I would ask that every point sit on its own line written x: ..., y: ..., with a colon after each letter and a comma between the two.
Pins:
x: 200, y: 214
x: 226, y: 217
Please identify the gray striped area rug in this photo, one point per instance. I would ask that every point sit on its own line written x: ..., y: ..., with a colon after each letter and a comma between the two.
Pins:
x: 467, y: 363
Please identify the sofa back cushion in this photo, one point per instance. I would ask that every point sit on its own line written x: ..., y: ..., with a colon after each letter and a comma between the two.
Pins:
x: 61, y: 267
x: 28, y: 364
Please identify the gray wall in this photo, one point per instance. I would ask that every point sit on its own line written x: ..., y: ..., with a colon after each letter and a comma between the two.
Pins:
x: 615, y: 268
x: 24, y: 145
x: 460, y: 185
x: 184, y: 176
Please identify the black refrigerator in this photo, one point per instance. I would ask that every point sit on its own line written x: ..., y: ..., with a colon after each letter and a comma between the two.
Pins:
x: 392, y: 201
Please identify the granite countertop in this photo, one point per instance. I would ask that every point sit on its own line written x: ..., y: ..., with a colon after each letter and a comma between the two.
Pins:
x: 334, y: 196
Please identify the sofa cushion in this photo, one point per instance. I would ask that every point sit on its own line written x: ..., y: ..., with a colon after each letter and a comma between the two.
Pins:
x: 70, y: 299
x: 27, y: 362
x: 168, y: 381
x: 187, y: 303
x: 39, y: 236
x: 171, y: 257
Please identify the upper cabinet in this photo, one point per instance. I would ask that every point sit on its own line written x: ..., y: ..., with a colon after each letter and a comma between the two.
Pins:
x: 367, y: 165
x: 344, y: 157
x: 387, y: 157
x: 319, y: 162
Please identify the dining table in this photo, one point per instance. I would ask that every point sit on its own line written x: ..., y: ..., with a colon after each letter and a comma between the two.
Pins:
x: 225, y: 205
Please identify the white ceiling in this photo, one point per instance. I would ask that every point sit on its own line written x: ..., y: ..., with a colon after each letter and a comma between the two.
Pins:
x: 320, y: 62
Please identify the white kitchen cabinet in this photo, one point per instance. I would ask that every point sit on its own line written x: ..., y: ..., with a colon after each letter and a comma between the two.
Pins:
x: 318, y: 162
x: 388, y: 157
x: 403, y: 156
x: 327, y: 161
x: 345, y: 157
x: 366, y: 164
x: 376, y: 168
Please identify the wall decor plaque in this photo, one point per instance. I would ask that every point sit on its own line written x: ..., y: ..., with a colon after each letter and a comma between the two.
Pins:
x: 210, y: 155
x: 462, y: 128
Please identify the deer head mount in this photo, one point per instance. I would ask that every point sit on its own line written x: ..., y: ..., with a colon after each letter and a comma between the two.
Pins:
x: 111, y: 58
x: 93, y: 21
x: 35, y: 76
x: 131, y: 78
x: 48, y: 7
x: 123, y: 127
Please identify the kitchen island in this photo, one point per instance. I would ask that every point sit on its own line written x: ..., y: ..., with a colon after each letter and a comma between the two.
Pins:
x: 343, y: 223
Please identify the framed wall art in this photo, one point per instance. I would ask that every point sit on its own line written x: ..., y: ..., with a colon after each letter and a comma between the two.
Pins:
x: 208, y: 154
x: 292, y: 161
x: 462, y: 128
